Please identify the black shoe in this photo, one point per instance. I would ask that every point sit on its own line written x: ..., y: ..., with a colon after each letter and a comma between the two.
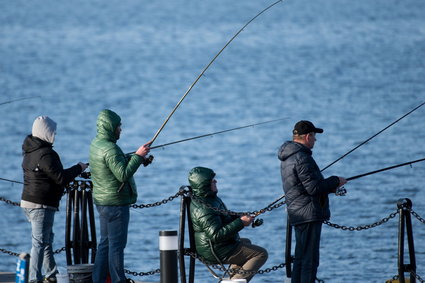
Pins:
x: 129, y: 280
x: 49, y: 280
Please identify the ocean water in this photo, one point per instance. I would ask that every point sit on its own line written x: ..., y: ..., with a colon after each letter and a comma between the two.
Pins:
x: 351, y: 67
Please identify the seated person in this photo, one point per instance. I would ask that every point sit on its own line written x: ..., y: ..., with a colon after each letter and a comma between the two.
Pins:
x: 220, y: 231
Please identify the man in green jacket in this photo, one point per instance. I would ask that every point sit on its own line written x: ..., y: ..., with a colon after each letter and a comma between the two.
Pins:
x: 217, y: 233
x: 114, y: 190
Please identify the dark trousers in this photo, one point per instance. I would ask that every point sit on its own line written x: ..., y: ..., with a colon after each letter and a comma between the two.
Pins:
x: 307, y: 248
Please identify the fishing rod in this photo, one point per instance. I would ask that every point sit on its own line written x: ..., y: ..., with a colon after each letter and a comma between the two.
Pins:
x: 367, y: 140
x: 212, y: 134
x: 12, y: 181
x: 384, y: 169
x: 18, y: 99
x: 206, y: 68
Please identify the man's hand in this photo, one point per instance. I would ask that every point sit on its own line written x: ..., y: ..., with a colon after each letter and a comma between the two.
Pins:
x: 246, y: 219
x: 83, y: 166
x: 144, y: 149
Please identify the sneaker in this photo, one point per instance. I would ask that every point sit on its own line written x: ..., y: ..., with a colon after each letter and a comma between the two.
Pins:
x: 129, y: 280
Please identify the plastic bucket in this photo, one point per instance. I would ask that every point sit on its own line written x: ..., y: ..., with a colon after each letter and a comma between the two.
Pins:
x: 80, y: 273
x: 62, y: 278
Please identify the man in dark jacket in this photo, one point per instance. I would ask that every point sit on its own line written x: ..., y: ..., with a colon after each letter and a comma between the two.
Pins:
x: 44, y: 181
x: 114, y: 190
x: 306, y: 194
x: 217, y: 233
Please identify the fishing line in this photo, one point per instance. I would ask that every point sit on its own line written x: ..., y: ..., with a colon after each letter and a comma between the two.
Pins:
x: 367, y: 140
x: 18, y: 99
x: 206, y: 68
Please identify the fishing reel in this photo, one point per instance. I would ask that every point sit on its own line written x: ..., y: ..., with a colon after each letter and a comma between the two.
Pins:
x: 85, y: 175
x: 147, y: 160
x: 341, y: 191
x: 257, y: 222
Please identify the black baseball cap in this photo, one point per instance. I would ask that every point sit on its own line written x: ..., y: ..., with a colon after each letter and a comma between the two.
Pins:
x: 304, y: 127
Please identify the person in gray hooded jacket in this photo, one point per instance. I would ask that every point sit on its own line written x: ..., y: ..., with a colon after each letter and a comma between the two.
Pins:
x: 44, y: 181
x: 306, y: 196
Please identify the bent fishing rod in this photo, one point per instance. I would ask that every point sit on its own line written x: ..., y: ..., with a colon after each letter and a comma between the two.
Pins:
x: 373, y: 136
x: 212, y: 134
x: 18, y: 99
x: 384, y: 169
x: 206, y: 68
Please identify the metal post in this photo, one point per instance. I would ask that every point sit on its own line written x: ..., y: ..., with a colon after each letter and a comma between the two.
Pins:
x: 191, y: 240
x: 288, y: 258
x: 405, y: 224
x: 181, y: 240
x: 168, y: 245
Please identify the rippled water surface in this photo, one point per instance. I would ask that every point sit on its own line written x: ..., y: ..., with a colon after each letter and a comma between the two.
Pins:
x: 352, y: 67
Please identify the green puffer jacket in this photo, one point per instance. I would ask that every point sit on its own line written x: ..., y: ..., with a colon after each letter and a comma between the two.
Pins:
x: 109, y: 166
x: 221, y: 230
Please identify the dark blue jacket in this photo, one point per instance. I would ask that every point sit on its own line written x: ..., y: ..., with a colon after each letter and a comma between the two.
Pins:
x: 306, y: 190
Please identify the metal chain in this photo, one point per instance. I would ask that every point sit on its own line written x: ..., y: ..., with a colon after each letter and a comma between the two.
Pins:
x: 417, y: 216
x: 59, y: 250
x: 16, y: 254
x: 153, y: 272
x: 417, y: 276
x: 232, y: 270
x: 158, y: 203
x: 9, y: 252
x: 363, y: 227
x: 396, y: 277
x: 10, y: 202
x: 229, y: 212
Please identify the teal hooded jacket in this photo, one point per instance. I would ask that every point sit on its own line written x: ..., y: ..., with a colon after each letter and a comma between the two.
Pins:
x: 109, y: 166
x: 221, y: 230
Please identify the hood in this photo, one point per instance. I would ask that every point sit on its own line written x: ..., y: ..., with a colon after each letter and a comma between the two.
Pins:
x: 32, y: 143
x: 289, y: 148
x: 44, y: 128
x: 200, y: 181
x: 107, y: 122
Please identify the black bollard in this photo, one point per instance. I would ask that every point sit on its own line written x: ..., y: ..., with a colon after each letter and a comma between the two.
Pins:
x: 405, y: 227
x: 168, y: 244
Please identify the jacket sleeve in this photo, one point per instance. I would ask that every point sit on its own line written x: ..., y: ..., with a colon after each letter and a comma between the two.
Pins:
x: 51, y: 165
x: 122, y: 167
x: 214, y: 229
x: 312, y: 179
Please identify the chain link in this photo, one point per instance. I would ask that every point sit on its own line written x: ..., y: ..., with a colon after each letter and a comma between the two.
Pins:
x: 9, y: 252
x: 158, y: 203
x: 396, y: 277
x: 363, y: 227
x: 270, y: 207
x: 417, y: 216
x: 10, y: 202
x: 233, y: 271
x: 153, y: 272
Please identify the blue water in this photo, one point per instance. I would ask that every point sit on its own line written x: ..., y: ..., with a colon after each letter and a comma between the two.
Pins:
x: 352, y: 67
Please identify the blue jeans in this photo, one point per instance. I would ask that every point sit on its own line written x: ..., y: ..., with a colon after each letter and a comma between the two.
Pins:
x: 113, y: 239
x: 307, y: 247
x: 42, y: 239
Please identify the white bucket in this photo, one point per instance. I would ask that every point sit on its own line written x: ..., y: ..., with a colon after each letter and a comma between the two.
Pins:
x: 233, y: 281
x: 62, y: 278
x: 80, y: 273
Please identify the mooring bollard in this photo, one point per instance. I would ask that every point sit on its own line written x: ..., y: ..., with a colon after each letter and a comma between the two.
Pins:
x: 22, y: 268
x: 168, y: 244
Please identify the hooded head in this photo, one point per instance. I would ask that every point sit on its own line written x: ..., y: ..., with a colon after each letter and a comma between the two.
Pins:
x: 200, y: 179
x: 44, y: 128
x: 107, y: 123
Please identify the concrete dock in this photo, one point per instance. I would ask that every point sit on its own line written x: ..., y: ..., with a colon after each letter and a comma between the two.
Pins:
x: 9, y: 277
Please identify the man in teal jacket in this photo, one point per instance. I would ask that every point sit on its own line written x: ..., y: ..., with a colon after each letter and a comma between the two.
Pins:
x: 114, y: 190
x: 217, y: 233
